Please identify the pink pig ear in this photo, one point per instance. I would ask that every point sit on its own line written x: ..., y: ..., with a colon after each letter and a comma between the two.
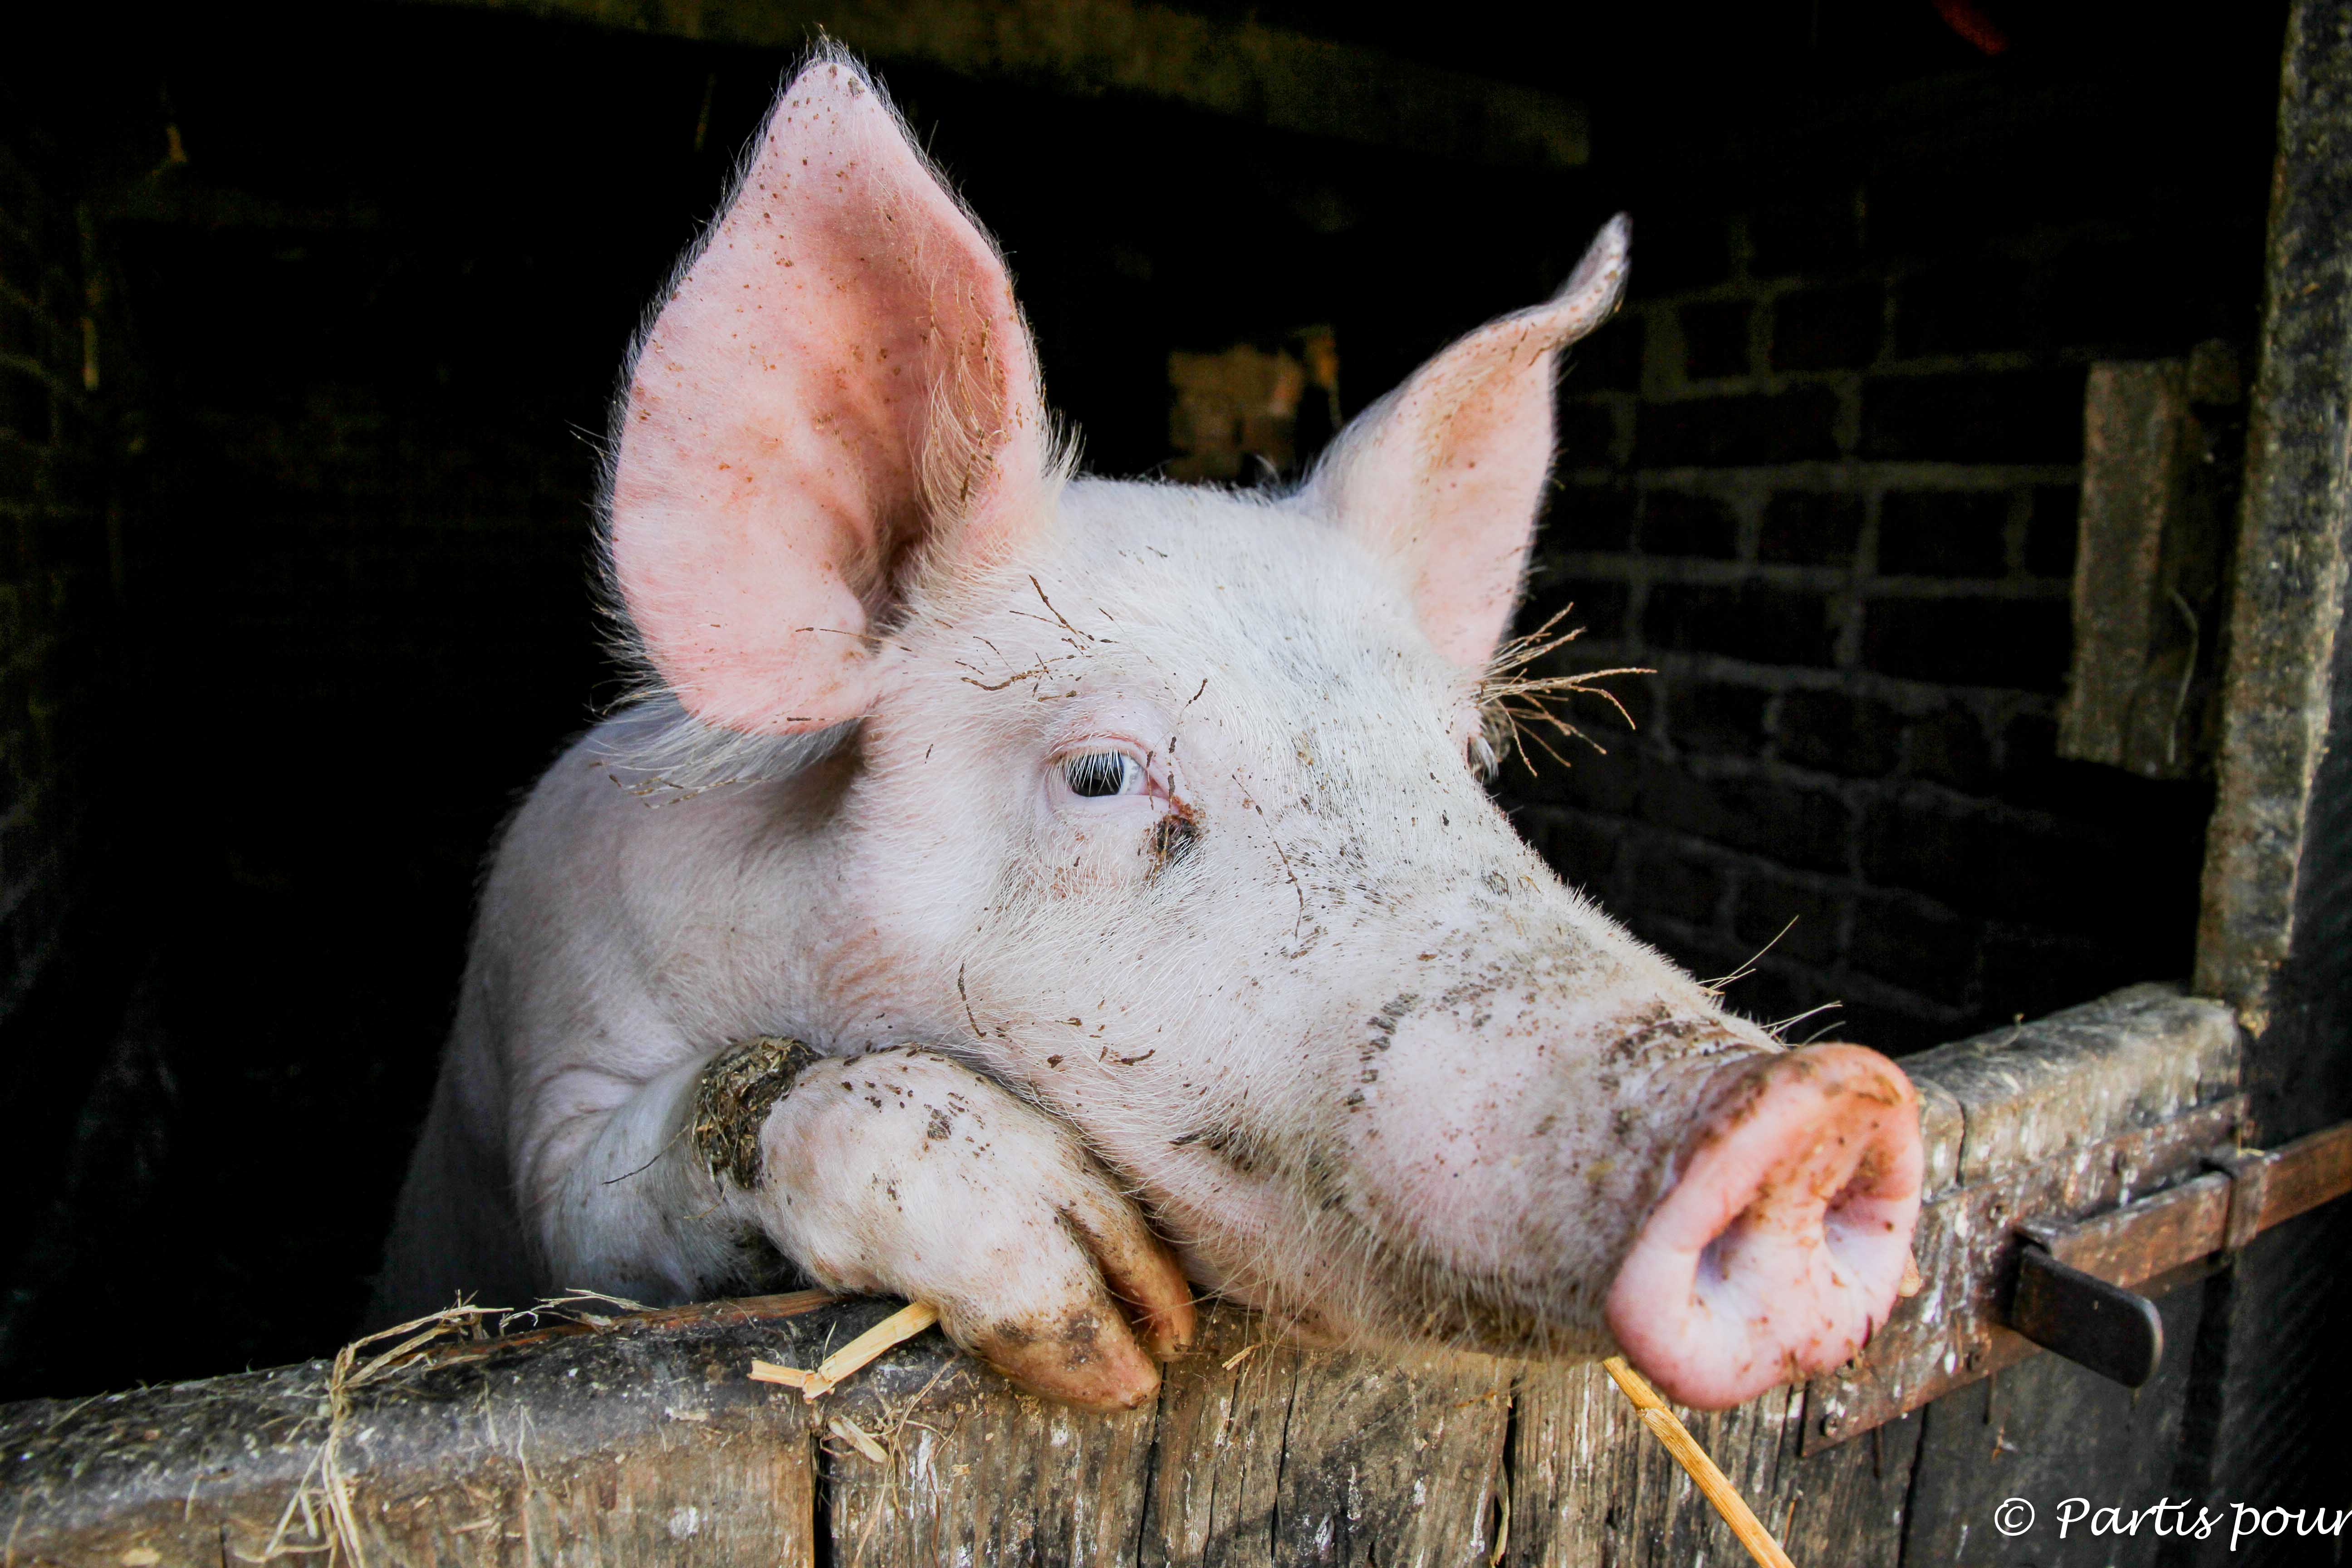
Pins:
x: 1446, y: 471
x: 838, y: 387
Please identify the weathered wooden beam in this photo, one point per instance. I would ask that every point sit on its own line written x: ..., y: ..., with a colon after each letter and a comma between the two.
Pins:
x: 644, y: 1439
x: 1243, y: 70
x: 2149, y: 564
x: 2288, y: 597
x: 2034, y: 1091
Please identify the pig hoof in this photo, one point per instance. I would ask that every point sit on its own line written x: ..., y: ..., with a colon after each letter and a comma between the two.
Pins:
x: 1782, y: 1246
x: 905, y: 1173
x: 1080, y: 1359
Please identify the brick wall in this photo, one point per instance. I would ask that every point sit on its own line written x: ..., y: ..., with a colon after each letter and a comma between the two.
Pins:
x: 52, y: 572
x: 1822, y: 475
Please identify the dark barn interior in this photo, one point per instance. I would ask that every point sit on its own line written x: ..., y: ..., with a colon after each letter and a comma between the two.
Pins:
x: 308, y: 328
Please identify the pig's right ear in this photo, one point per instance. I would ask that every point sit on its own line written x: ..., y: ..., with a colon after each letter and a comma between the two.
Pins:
x: 1447, y: 473
x: 838, y: 383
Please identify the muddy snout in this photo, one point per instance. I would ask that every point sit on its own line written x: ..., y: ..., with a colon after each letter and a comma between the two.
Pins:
x: 1781, y: 1246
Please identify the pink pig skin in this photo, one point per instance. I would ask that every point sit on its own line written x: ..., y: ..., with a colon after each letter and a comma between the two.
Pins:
x: 1262, y: 997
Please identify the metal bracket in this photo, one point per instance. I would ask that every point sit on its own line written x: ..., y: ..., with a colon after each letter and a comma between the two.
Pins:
x: 2070, y: 1295
x: 2115, y: 1332
x: 2249, y: 1171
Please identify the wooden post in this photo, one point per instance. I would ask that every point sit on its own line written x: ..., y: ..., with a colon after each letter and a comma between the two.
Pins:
x: 2298, y: 503
x: 2274, y: 938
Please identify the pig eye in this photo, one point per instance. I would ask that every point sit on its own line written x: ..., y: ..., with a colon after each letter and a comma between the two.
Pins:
x: 1092, y: 774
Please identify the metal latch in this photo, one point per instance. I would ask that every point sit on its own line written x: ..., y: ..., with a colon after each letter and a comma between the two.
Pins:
x: 2074, y: 1292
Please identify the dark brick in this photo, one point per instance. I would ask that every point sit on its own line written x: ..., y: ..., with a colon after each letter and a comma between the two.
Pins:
x: 1806, y: 234
x: 1929, y: 845
x: 1716, y: 432
x: 2051, y: 531
x: 1827, y: 329
x: 1595, y: 604
x: 2106, y: 295
x: 1949, y: 747
x: 1942, y: 533
x: 1677, y: 523
x: 1947, y: 199
x: 1663, y: 881
x: 1804, y: 918
x: 2029, y: 759
x: 2024, y: 416
x: 1715, y: 339
x: 20, y: 468
x: 2037, y: 871
x: 1810, y: 829
x: 1751, y: 621
x: 1587, y: 435
x: 1917, y: 946
x: 1975, y: 306
x: 1838, y: 733
x: 25, y: 404
x: 1681, y: 250
x: 1699, y: 952
x: 1810, y: 527
x: 1591, y: 518
x: 1611, y: 359
x: 21, y: 331
x: 2020, y: 644
x: 1712, y: 717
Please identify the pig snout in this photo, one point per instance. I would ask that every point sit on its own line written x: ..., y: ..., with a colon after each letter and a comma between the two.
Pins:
x: 1781, y: 1245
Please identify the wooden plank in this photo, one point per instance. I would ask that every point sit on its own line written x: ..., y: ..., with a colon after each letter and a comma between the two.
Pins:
x: 1589, y: 1485
x: 978, y: 1471
x: 2287, y: 598
x: 1240, y: 67
x: 2152, y: 541
x: 2036, y: 1091
x: 2044, y: 1431
x: 634, y: 1444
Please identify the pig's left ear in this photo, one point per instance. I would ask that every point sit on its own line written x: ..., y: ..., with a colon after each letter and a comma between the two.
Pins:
x: 1446, y: 472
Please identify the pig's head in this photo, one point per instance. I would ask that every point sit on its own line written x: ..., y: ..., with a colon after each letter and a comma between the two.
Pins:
x: 1163, y: 804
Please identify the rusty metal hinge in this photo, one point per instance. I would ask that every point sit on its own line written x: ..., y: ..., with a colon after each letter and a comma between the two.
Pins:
x: 2073, y: 1292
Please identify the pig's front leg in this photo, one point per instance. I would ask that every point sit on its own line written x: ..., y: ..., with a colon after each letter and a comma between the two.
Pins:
x: 903, y: 1172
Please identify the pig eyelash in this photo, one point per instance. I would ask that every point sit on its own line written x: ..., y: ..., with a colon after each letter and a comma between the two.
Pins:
x: 1094, y: 775
x: 1515, y: 707
x: 1105, y: 770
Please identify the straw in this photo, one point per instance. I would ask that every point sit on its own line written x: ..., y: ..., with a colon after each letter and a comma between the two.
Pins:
x: 903, y: 1324
x: 1711, y: 1480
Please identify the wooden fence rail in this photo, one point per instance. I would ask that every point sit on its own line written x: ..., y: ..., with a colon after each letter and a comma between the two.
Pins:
x: 642, y: 1439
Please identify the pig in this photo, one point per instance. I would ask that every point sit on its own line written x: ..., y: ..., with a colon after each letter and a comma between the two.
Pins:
x: 1061, y: 901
